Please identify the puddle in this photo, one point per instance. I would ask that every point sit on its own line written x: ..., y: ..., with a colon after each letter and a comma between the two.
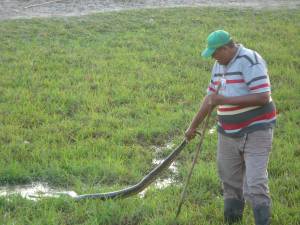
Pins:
x: 172, y: 167
x: 34, y: 191
x: 162, y: 183
x: 160, y: 149
x: 212, y: 130
x: 158, y: 184
x: 38, y: 190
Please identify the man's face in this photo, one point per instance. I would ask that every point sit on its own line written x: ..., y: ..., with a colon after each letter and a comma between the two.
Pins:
x: 222, y: 55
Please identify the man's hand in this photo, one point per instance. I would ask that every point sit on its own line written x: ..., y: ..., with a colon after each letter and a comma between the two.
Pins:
x: 205, y: 107
x: 190, y: 133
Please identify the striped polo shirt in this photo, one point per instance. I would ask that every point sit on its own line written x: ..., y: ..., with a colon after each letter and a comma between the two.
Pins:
x: 245, y: 74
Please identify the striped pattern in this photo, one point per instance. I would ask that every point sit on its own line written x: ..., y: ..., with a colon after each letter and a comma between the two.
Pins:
x: 233, y: 110
x: 245, y: 74
x: 235, y: 121
x: 256, y: 79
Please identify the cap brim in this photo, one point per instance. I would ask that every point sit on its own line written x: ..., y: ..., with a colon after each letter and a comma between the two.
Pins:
x: 207, y: 53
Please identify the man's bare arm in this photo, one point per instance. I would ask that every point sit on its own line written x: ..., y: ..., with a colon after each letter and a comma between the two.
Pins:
x: 246, y: 100
x: 198, y: 118
x: 213, y: 100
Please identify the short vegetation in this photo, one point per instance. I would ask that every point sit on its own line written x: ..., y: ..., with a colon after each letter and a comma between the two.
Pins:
x: 84, y: 100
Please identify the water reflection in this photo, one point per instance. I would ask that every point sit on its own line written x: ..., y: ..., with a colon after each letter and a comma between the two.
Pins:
x: 161, y: 183
x: 37, y: 190
x: 34, y: 191
x: 212, y: 130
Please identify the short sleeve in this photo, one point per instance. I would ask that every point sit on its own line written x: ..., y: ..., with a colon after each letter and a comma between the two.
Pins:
x: 211, y: 86
x: 256, y: 76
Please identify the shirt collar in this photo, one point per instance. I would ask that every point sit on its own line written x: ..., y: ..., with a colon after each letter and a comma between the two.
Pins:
x: 239, y: 47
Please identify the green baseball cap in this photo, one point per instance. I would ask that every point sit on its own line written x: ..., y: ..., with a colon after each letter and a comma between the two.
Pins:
x: 215, y: 40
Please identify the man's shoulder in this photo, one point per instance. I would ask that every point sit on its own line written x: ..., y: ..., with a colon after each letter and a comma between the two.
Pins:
x: 249, y: 56
x: 245, y: 51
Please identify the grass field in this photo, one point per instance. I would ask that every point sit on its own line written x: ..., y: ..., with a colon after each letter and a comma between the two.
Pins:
x: 83, y: 100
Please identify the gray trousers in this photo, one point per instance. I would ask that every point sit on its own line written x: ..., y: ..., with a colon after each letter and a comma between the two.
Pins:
x: 242, y: 166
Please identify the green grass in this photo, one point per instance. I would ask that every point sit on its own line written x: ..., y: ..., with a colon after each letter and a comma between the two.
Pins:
x: 82, y: 100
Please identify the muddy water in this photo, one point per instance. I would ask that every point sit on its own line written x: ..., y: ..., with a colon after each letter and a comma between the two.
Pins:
x: 39, y: 190
x: 161, y: 183
x: 212, y: 130
x: 35, y: 191
x: 12, y: 9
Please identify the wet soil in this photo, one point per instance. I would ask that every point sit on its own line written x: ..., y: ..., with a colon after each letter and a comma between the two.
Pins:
x: 13, y: 9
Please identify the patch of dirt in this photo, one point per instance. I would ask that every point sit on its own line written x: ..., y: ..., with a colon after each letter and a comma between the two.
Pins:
x: 13, y: 9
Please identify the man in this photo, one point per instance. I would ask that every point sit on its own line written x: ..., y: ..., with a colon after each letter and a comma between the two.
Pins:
x: 246, y: 117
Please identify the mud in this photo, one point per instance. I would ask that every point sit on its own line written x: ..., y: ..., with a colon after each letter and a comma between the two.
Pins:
x: 14, y: 9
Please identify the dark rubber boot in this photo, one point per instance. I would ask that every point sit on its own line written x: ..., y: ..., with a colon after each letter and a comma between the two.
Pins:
x: 233, y: 210
x: 262, y: 214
